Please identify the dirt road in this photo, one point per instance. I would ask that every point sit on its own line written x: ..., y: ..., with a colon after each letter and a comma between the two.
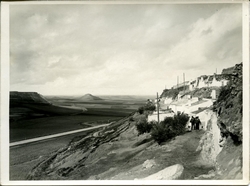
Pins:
x: 22, y: 162
x: 55, y: 135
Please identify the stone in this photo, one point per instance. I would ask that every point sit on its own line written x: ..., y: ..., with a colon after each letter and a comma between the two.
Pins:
x: 170, y: 173
x: 148, y: 164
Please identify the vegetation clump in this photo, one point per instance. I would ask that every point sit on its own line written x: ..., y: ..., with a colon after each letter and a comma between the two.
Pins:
x: 143, y: 126
x: 169, y: 127
x: 170, y: 93
x: 149, y: 107
x: 166, y: 129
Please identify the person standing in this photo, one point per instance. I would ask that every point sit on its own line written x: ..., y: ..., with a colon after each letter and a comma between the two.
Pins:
x: 192, y: 121
x: 197, y: 123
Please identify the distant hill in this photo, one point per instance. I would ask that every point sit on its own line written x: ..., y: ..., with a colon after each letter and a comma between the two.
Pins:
x: 38, y: 104
x: 17, y: 98
x: 89, y: 97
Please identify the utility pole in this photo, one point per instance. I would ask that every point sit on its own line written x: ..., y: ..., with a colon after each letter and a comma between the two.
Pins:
x: 184, y: 82
x: 177, y: 81
x: 158, y: 117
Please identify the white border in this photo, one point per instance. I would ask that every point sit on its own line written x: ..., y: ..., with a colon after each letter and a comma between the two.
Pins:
x: 4, y: 93
x: 128, y: 2
x: 5, y: 99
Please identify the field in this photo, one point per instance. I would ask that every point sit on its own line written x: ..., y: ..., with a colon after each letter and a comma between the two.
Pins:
x: 35, y: 124
x: 37, y: 127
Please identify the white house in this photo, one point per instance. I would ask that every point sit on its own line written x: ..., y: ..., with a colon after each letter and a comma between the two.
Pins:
x: 218, y: 83
x: 192, y: 85
x: 202, y: 82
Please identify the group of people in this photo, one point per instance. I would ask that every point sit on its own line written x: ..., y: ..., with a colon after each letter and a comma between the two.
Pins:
x: 194, y: 123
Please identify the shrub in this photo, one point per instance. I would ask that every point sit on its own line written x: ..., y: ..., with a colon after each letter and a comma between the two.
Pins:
x: 150, y: 107
x: 180, y: 121
x: 141, y: 110
x: 169, y: 127
x: 131, y: 118
x: 147, y: 107
x: 161, y: 132
x: 143, y: 126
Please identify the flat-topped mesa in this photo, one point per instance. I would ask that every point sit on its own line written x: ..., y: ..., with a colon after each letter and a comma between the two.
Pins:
x: 26, y: 97
x: 36, y: 102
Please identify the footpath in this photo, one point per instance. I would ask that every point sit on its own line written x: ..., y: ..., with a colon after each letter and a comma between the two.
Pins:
x: 181, y: 150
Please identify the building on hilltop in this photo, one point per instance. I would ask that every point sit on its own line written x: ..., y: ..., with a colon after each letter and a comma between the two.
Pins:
x: 192, y: 85
x: 216, y: 80
x: 182, y: 86
x: 202, y: 81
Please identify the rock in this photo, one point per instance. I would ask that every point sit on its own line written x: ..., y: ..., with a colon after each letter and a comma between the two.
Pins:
x: 96, y: 134
x: 148, y: 164
x: 170, y: 173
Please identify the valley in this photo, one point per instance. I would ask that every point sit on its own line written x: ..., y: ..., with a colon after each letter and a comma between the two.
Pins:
x: 28, y: 124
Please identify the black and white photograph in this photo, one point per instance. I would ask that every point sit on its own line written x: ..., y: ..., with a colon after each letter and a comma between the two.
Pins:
x: 139, y: 91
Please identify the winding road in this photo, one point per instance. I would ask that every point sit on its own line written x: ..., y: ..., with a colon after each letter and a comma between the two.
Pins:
x: 54, y: 135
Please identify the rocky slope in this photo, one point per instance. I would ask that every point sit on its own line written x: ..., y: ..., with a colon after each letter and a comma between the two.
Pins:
x: 221, y: 145
x: 117, y: 152
x: 229, y: 106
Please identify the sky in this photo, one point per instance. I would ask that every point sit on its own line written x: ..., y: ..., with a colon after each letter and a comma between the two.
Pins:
x: 131, y: 49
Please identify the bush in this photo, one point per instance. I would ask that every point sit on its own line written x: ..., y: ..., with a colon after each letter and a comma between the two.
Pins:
x: 150, y: 107
x: 161, y: 132
x: 147, y: 107
x: 131, y: 118
x: 141, y: 110
x: 170, y: 127
x: 180, y: 121
x: 143, y: 126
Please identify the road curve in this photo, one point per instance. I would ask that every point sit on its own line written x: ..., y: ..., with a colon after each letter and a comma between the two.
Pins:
x: 54, y: 135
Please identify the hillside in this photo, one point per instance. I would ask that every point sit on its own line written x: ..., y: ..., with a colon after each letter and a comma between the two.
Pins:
x: 226, y: 152
x: 89, y: 97
x: 118, y: 152
x: 229, y: 106
x: 170, y: 93
x: 17, y: 98
x: 25, y: 103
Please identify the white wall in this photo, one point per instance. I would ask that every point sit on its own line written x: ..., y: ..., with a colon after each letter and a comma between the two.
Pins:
x: 162, y: 116
x: 207, y: 103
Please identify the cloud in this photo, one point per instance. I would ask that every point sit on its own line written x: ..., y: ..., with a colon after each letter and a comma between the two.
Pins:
x: 198, y: 50
x: 119, y: 49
